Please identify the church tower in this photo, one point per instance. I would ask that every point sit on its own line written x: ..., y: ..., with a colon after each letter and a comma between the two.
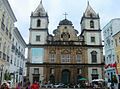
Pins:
x: 38, y: 26
x: 91, y: 32
x: 38, y: 33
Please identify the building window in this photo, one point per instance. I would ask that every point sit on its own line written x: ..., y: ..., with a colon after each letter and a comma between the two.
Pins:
x: 0, y: 45
x: 51, y: 71
x: 38, y: 23
x: 92, y: 39
x: 79, y: 71
x: 52, y: 57
x: 119, y: 39
x: 78, y: 58
x: 38, y: 38
x: 36, y: 70
x: 94, y: 56
x: 118, y: 58
x: 65, y: 58
x: 3, y: 18
x: 15, y: 62
x: 91, y: 24
x: 94, y: 71
x: 116, y: 42
x: 0, y: 54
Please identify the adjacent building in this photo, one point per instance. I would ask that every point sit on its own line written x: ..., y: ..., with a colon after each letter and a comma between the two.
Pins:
x: 7, y: 20
x: 12, y: 46
x: 17, y: 62
x: 109, y: 31
x: 116, y: 38
x: 64, y: 56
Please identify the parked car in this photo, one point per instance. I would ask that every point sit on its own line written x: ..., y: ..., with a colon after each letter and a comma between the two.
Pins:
x: 59, y: 85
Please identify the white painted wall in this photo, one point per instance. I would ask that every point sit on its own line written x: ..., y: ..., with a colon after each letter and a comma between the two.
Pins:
x: 44, y: 23
x: 97, y: 36
x: 86, y: 23
x: 90, y: 72
x: 32, y: 72
x: 43, y: 37
x: 98, y: 54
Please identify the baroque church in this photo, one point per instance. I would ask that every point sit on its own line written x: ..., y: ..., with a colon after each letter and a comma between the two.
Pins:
x: 64, y: 56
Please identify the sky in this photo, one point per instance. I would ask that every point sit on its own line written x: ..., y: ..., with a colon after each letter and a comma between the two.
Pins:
x: 107, y: 10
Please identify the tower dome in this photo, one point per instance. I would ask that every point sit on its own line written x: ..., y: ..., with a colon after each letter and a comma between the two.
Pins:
x: 65, y: 22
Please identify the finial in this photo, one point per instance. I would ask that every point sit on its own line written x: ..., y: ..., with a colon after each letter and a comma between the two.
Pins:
x: 41, y: 2
x: 65, y: 15
x: 88, y: 2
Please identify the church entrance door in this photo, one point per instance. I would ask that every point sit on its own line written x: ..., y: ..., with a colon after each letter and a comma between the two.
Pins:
x: 65, y: 76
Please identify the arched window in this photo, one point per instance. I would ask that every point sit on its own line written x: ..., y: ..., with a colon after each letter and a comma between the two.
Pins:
x: 38, y: 23
x: 3, y: 17
x: 91, y: 24
x: 94, y: 57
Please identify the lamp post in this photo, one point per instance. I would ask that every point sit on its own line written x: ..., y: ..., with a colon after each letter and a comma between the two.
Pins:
x: 1, y: 69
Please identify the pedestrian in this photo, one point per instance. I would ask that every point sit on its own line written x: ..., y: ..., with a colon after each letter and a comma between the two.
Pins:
x: 28, y: 86
x: 112, y: 85
x: 18, y: 86
x: 35, y: 85
x: 4, y: 86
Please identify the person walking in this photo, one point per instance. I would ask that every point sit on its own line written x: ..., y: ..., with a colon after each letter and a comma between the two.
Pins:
x: 18, y: 86
x: 35, y: 85
x: 28, y: 86
x: 4, y: 86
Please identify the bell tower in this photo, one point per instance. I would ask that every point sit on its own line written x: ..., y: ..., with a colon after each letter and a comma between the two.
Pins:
x: 38, y: 26
x: 91, y: 32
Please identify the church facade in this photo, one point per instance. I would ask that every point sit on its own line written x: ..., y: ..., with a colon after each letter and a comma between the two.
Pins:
x: 64, y: 56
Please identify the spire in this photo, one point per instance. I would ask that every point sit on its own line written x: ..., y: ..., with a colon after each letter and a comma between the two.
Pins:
x: 88, y: 2
x: 41, y: 2
x: 89, y: 11
x: 40, y: 10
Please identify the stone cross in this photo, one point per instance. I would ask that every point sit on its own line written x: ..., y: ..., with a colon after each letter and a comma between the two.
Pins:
x: 65, y: 15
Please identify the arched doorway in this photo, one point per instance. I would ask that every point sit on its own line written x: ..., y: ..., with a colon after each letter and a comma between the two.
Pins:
x: 65, y: 76
x: 52, y: 79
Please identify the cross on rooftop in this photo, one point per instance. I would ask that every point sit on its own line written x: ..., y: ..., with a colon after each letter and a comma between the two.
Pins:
x: 65, y: 15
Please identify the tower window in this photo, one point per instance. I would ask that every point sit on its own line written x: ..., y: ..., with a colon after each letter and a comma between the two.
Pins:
x: 94, y: 56
x: 36, y: 70
x: 91, y: 24
x: 92, y: 39
x: 38, y: 23
x: 38, y: 38
x: 94, y: 71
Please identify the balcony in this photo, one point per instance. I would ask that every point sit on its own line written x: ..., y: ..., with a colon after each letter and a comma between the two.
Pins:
x: 8, y: 58
x: 0, y: 54
x: 16, y: 51
x: 19, y: 53
x: 10, y: 35
x: 6, y: 30
x: 13, y: 48
x: 21, y: 71
x: 2, y: 26
x: 4, y: 56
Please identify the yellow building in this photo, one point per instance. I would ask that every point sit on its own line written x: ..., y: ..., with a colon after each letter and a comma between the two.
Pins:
x: 117, y: 50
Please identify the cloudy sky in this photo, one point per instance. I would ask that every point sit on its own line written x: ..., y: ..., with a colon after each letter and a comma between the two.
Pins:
x: 107, y: 9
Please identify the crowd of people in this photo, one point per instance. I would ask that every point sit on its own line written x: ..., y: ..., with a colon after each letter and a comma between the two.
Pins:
x: 34, y: 85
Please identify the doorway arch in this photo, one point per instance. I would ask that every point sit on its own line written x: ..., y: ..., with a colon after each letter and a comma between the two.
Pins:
x: 65, y: 78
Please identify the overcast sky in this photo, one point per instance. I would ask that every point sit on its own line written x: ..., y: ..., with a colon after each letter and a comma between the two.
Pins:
x: 107, y: 10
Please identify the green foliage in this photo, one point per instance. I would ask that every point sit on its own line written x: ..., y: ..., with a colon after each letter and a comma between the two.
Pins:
x: 114, y: 79
x: 7, y: 76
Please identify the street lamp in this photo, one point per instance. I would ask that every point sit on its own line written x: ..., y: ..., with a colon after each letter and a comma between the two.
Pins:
x: 1, y: 69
